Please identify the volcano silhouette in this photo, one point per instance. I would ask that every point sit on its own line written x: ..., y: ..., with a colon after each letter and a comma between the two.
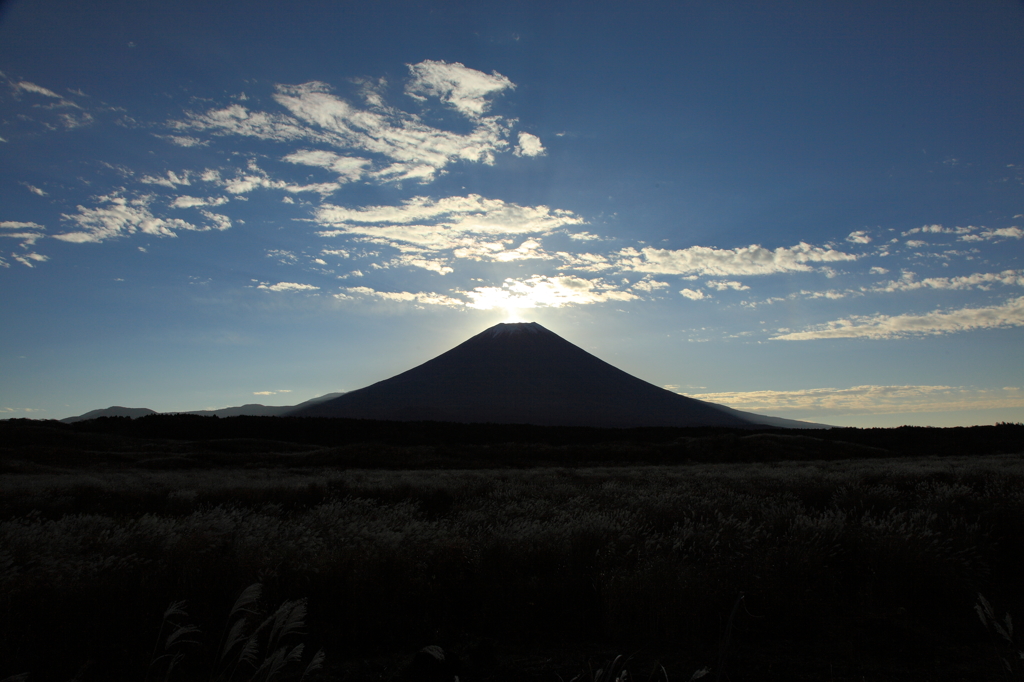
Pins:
x: 521, y: 373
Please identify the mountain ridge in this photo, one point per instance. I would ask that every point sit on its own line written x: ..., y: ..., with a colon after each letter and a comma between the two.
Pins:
x: 524, y: 373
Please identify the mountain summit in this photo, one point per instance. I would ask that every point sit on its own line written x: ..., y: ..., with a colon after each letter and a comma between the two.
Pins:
x: 521, y: 373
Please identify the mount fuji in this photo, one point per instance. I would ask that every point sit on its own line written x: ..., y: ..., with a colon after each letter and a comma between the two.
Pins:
x: 522, y: 373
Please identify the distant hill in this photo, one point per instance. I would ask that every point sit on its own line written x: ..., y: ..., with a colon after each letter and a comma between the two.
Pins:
x: 256, y: 410
x: 115, y: 411
x: 522, y: 373
x: 250, y: 410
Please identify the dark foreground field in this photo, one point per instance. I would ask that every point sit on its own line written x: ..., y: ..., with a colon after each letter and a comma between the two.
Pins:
x: 524, y: 554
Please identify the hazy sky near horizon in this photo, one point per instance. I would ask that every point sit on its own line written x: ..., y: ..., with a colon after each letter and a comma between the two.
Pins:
x: 813, y: 210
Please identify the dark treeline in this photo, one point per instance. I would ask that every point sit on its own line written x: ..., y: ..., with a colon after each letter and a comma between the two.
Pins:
x: 190, y: 440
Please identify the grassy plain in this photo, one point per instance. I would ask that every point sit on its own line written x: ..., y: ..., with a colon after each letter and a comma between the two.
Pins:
x: 846, y: 569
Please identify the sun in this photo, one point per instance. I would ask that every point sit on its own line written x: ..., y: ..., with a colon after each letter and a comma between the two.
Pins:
x: 513, y: 314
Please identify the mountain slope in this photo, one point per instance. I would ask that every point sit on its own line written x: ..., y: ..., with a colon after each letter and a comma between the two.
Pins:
x: 249, y: 410
x: 114, y: 411
x: 522, y: 373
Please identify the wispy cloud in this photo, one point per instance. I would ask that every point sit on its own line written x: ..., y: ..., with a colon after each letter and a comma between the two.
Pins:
x: 693, y: 294
x: 908, y: 281
x: 868, y: 399
x: 546, y: 292
x: 186, y: 201
x: 28, y: 233
x: 969, y: 233
x: 288, y: 286
x: 29, y: 259
x: 119, y: 216
x: 400, y: 146
x: 649, y: 285
x: 749, y: 260
x: 37, y: 89
x: 171, y: 180
x: 256, y: 178
x: 1008, y: 314
x: 469, y: 227
x: 1001, y: 233
x: 466, y: 90
x: 726, y: 285
x: 347, y: 168
x: 421, y: 298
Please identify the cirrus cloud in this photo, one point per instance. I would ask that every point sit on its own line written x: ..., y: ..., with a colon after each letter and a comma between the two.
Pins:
x: 868, y: 399
x: 748, y: 260
x: 288, y: 286
x: 1008, y: 314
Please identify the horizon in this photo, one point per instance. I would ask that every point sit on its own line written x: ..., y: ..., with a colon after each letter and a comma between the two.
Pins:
x: 810, y: 212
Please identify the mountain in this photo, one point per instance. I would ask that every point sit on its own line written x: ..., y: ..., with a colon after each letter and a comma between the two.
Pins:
x: 521, y: 373
x: 115, y: 411
x: 250, y: 410
x: 257, y: 410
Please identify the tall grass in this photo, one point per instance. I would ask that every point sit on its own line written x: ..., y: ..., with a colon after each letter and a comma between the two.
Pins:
x: 644, y: 556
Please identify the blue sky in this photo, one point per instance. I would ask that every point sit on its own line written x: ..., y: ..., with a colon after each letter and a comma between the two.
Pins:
x: 811, y: 210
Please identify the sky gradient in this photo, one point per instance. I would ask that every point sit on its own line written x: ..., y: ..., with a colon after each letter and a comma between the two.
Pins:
x: 813, y: 211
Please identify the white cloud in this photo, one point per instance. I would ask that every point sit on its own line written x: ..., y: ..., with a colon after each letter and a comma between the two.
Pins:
x: 348, y: 168
x: 1009, y: 314
x: 288, y: 286
x: 403, y: 147
x: 15, y: 225
x: 119, y: 216
x: 27, y: 238
x: 34, y: 189
x: 184, y: 140
x: 186, y: 201
x: 830, y: 294
x: 878, y: 271
x: 584, y: 262
x: 496, y: 251
x: 421, y: 298
x: 29, y: 259
x: 472, y: 227
x: 916, y: 243
x: 585, y: 237
x: 172, y: 180
x: 466, y: 90
x: 649, y: 285
x: 970, y: 233
x: 868, y: 399
x: 539, y: 291
x: 859, y: 237
x: 38, y: 89
x: 984, y: 281
x: 529, y: 145
x: 218, y: 221
x: 725, y: 285
x: 1003, y: 232
x: 237, y: 120
x: 749, y: 260
x: 938, y: 229
x: 432, y: 264
x: 693, y: 295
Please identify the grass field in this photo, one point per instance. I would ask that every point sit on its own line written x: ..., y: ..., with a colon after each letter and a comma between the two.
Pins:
x: 842, y: 570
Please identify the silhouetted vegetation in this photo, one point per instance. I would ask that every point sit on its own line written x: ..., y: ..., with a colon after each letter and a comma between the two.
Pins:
x: 190, y: 441
x: 865, y: 566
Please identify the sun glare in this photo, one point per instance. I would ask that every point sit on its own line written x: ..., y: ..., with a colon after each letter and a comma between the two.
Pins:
x: 513, y: 314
